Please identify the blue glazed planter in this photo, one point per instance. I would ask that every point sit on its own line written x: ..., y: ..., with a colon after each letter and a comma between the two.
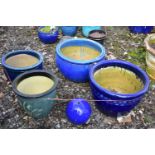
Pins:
x: 86, y: 29
x: 76, y: 70
x: 48, y: 38
x: 141, y: 29
x: 69, y: 30
x: 12, y: 72
x: 37, y: 106
x: 123, y: 102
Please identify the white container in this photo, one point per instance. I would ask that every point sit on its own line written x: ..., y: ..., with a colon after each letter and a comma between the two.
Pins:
x: 150, y: 55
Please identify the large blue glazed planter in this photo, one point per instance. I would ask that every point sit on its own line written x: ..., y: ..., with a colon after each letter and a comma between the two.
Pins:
x: 122, y: 102
x: 141, y: 29
x: 86, y: 29
x: 40, y: 105
x: 69, y: 30
x: 48, y: 38
x: 12, y: 72
x: 76, y: 70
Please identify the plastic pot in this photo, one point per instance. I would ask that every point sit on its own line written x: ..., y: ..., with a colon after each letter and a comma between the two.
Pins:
x: 87, y: 29
x: 37, y: 106
x: 122, y: 102
x: 97, y: 35
x: 150, y: 55
x: 12, y: 72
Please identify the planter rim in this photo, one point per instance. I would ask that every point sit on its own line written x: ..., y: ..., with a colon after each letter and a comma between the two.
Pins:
x: 146, y: 42
x: 59, y: 45
x: 34, y: 72
x: 119, y: 62
x: 16, y: 52
x: 48, y: 33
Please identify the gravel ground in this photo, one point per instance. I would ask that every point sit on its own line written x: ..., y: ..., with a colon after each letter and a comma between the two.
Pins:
x: 119, y: 43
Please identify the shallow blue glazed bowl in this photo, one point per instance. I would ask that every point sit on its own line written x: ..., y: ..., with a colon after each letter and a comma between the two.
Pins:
x: 122, y: 102
x: 12, y: 72
x: 141, y: 29
x: 69, y: 30
x: 48, y: 38
x: 86, y: 29
x: 76, y: 70
x: 39, y: 105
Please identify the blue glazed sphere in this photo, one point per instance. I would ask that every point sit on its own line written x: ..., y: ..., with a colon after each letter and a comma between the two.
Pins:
x: 141, y: 29
x: 47, y: 38
x: 69, y: 30
x: 78, y: 111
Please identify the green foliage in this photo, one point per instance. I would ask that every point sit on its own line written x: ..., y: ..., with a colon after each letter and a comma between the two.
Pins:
x: 46, y: 29
x: 152, y: 85
x: 137, y: 57
x: 148, y: 119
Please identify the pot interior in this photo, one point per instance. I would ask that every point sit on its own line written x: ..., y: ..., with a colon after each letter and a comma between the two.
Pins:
x: 80, y: 52
x: 21, y: 60
x: 35, y: 83
x: 118, y: 80
x: 97, y: 34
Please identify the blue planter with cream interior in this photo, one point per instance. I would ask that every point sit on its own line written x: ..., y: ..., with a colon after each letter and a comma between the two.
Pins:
x: 12, y: 72
x: 76, y: 70
x: 115, y: 103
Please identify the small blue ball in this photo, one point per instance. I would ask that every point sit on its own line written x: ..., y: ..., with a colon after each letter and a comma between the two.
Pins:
x: 78, y: 111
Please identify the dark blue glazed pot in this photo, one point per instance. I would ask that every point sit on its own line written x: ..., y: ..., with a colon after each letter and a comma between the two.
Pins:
x: 40, y: 105
x: 76, y: 70
x: 69, y: 30
x: 123, y: 102
x: 86, y: 29
x: 12, y: 72
x: 48, y: 38
x: 141, y: 29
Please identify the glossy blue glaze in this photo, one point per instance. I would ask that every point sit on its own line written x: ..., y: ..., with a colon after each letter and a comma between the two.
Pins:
x: 37, y: 106
x: 69, y: 30
x: 48, y: 38
x: 78, y: 111
x: 87, y: 29
x: 129, y: 100
x: 12, y: 72
x: 76, y: 70
x: 141, y: 29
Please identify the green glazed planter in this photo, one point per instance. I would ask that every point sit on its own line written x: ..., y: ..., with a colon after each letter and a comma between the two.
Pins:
x: 37, y: 106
